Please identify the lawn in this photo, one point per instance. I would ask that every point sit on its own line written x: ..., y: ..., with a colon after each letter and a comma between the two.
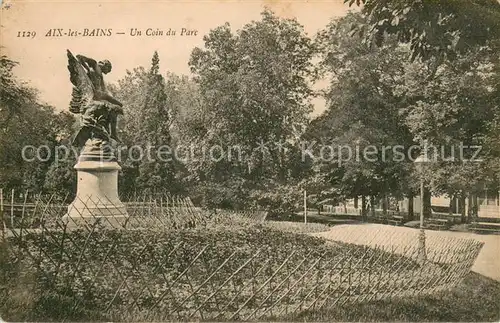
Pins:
x: 296, y: 227
x: 476, y: 299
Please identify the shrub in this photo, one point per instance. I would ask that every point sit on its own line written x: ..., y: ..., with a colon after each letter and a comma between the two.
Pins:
x: 126, y: 274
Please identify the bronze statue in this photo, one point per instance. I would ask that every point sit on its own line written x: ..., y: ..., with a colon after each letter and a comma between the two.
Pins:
x: 99, y: 110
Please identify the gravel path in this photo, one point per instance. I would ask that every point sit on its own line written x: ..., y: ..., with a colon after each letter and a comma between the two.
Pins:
x: 398, y: 238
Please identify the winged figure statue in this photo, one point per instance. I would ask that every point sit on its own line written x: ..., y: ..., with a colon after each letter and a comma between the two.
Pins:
x: 90, y: 99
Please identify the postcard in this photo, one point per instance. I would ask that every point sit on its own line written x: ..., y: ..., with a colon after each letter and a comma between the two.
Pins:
x: 223, y: 160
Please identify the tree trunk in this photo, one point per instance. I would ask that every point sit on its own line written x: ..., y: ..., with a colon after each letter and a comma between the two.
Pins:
x: 356, y: 202
x: 463, y: 218
x: 384, y: 204
x: 411, y: 212
x: 470, y: 207
x: 363, y: 207
x: 372, y: 204
x: 476, y: 205
x: 427, y: 203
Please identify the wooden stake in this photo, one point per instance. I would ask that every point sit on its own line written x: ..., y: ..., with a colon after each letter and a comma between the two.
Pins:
x: 22, y: 215
x: 12, y: 209
x: 161, y: 205
x: 305, y: 206
x: 1, y: 212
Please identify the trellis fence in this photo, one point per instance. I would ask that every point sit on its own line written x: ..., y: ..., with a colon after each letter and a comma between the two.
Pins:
x: 145, y: 210
x: 100, y: 273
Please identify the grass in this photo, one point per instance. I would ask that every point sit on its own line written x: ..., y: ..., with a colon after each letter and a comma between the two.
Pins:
x: 314, y: 217
x: 296, y: 227
x: 476, y: 299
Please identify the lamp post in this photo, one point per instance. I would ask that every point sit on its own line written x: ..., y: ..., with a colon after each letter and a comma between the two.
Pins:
x: 419, y: 163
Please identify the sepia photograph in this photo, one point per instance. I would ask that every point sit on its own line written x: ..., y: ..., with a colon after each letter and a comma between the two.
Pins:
x: 261, y: 160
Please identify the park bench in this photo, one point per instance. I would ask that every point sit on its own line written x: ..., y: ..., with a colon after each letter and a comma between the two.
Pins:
x: 437, y: 223
x: 489, y: 221
x: 396, y: 220
x: 390, y: 215
x: 493, y: 227
x: 380, y: 218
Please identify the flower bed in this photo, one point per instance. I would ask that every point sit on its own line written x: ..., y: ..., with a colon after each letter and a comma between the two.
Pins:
x: 219, y: 273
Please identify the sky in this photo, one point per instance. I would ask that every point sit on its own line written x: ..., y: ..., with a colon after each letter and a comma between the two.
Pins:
x: 42, y: 58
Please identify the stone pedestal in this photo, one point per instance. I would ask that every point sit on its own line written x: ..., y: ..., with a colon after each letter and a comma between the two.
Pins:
x: 97, y: 191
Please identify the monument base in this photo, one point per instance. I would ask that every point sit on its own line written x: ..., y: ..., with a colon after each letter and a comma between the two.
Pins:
x: 97, y: 201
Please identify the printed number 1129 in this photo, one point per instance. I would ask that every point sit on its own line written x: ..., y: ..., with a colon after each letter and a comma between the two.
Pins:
x: 26, y: 34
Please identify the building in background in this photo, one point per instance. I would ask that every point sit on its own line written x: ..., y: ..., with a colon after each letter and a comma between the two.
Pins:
x: 487, y: 201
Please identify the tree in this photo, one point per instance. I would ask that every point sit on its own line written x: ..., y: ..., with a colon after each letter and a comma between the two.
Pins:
x: 14, y: 95
x: 28, y: 147
x: 255, y: 91
x: 445, y: 102
x: 187, y: 114
x: 60, y: 176
x: 434, y: 29
x: 491, y: 143
x: 30, y: 132
x: 454, y: 109
x: 364, y: 112
x: 255, y: 94
x: 155, y: 132
x: 147, y: 101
